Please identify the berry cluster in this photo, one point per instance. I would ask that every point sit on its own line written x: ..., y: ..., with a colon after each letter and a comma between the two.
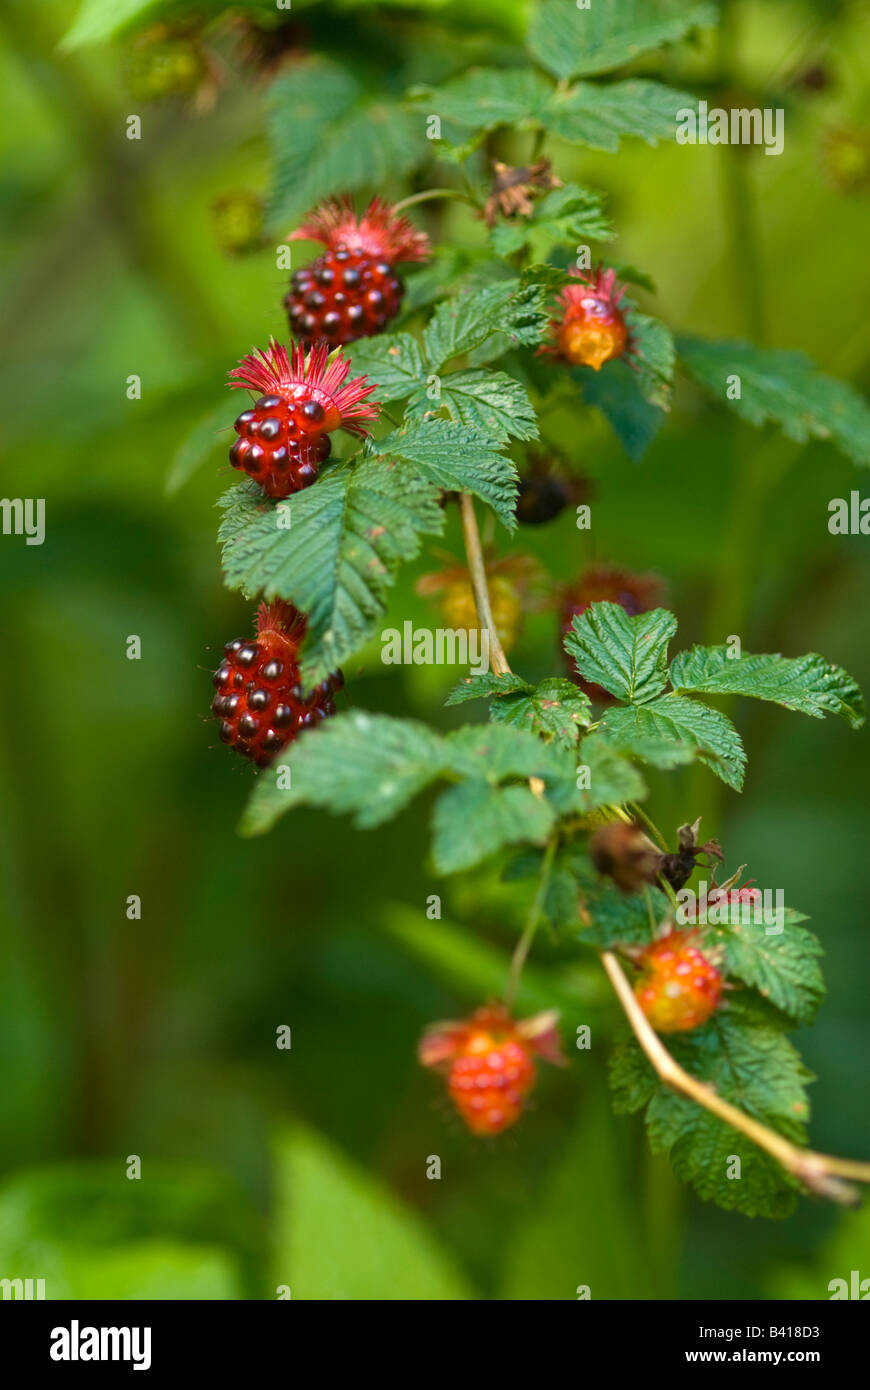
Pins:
x: 352, y: 290
x: 259, y: 701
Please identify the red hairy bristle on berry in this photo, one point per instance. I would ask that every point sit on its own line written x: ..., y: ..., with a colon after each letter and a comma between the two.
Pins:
x: 259, y: 700
x: 352, y: 290
x: 488, y: 1061
x: 284, y: 437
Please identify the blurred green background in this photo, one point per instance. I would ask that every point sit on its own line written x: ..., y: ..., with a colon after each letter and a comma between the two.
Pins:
x: 306, y: 1168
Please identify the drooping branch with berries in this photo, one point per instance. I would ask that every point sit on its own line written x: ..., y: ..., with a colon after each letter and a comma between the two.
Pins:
x: 423, y: 374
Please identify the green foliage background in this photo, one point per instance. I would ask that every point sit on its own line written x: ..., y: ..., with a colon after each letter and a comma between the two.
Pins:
x: 307, y: 1168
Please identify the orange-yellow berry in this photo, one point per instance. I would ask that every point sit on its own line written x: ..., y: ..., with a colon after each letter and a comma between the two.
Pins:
x: 591, y: 328
x: 679, y: 988
x: 488, y: 1060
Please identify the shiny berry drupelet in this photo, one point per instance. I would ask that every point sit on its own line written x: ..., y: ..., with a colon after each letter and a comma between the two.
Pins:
x: 281, y: 444
x: 259, y: 701
x: 488, y: 1084
x: 488, y: 1061
x: 284, y: 437
x: 680, y: 987
x: 352, y: 290
x: 343, y: 295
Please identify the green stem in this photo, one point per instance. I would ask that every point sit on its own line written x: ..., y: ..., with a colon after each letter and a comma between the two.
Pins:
x: 430, y: 193
x: 524, y: 944
x: 640, y: 814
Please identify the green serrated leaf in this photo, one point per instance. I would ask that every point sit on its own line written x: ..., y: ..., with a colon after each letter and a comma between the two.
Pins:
x: 211, y: 433
x: 785, y: 387
x: 572, y: 42
x: 393, y: 361
x: 330, y: 135
x: 485, y: 686
x: 782, y: 965
x: 471, y: 317
x: 653, y: 358
x: 556, y: 709
x: 749, y: 1062
x: 490, y: 403
x: 570, y: 214
x: 612, y: 778
x: 672, y: 730
x: 621, y: 919
x: 615, y: 391
x: 808, y: 684
x: 628, y: 656
x: 493, y: 752
x: 474, y: 820
x: 601, y: 116
x: 335, y: 560
x: 366, y: 765
x: 454, y: 458
x: 485, y: 98
x: 588, y: 113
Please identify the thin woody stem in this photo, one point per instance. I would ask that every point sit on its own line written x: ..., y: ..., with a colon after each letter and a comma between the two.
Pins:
x: 821, y: 1173
x: 524, y: 945
x: 473, y: 550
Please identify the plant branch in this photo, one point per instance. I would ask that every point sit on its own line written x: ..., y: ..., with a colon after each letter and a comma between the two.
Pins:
x: 821, y: 1173
x: 428, y: 194
x: 477, y: 569
x: 524, y: 945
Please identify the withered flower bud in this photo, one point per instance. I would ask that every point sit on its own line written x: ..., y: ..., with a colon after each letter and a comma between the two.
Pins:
x: 678, y: 868
x: 623, y: 852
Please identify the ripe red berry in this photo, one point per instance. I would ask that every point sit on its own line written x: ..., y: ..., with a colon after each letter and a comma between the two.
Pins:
x: 636, y: 593
x: 489, y: 1063
x: 351, y: 291
x: 259, y: 702
x: 591, y: 328
x: 284, y: 437
x: 680, y: 987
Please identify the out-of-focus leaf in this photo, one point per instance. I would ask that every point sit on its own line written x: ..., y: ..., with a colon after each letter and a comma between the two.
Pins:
x: 341, y: 1234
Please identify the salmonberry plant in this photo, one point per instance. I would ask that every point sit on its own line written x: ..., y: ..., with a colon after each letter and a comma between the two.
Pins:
x: 413, y: 370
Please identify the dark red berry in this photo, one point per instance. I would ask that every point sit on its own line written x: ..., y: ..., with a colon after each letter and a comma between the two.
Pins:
x: 352, y: 290
x: 260, y: 705
x: 540, y: 499
x: 284, y: 437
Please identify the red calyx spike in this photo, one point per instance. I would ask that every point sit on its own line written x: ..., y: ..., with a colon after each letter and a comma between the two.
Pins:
x: 284, y: 437
x: 351, y: 291
x: 259, y: 701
